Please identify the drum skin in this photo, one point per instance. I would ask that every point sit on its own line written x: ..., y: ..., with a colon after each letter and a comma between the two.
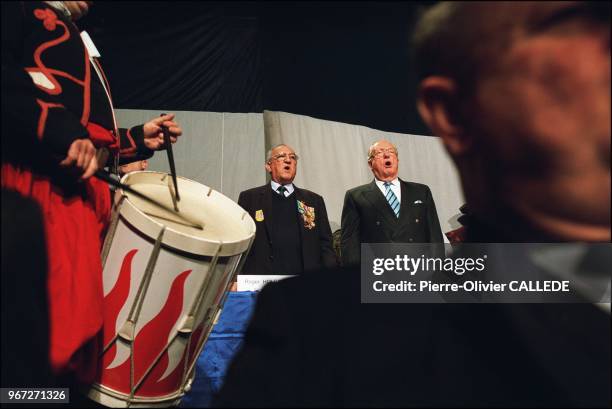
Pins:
x: 164, y: 286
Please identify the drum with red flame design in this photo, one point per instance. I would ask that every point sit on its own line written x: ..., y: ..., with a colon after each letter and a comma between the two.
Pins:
x: 164, y: 284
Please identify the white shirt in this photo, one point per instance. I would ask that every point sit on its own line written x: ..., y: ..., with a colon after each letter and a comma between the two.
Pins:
x: 563, y: 262
x: 395, y: 187
x: 289, y: 188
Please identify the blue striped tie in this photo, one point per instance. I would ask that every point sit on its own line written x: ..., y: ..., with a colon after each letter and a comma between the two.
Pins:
x: 392, y: 199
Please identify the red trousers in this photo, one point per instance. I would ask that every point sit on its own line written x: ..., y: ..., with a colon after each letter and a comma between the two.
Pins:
x: 74, y: 226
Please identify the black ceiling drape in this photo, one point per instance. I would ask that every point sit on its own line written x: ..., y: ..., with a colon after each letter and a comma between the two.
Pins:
x: 340, y: 61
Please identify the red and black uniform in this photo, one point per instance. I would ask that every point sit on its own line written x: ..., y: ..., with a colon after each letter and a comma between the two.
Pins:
x: 51, y: 96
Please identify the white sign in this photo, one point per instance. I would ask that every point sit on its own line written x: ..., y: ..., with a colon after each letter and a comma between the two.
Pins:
x: 248, y: 282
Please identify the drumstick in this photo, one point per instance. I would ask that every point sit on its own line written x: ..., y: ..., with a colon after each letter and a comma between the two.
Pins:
x: 108, y: 179
x: 168, y: 146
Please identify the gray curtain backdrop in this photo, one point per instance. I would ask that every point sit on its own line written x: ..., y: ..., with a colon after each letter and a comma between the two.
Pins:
x: 226, y: 151
x: 222, y: 150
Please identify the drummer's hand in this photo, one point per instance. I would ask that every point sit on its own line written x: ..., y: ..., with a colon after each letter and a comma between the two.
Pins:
x: 81, y: 158
x: 153, y: 135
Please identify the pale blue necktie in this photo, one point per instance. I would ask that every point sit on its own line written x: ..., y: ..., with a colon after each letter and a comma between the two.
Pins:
x: 392, y: 199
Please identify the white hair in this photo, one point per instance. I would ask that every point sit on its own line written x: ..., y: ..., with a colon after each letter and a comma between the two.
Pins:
x: 269, y: 154
x: 371, y: 149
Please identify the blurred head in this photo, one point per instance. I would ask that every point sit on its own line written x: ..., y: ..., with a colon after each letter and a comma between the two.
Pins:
x: 281, y: 163
x: 383, y: 160
x: 520, y: 95
x: 77, y: 9
x: 133, y: 167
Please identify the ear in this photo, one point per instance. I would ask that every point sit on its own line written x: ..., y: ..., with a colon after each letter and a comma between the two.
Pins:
x: 268, y: 168
x: 439, y: 106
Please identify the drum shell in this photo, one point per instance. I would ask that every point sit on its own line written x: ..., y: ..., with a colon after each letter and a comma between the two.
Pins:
x: 159, y: 307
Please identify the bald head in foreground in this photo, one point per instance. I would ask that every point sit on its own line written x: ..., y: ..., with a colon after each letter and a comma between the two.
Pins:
x: 520, y: 95
x: 521, y: 98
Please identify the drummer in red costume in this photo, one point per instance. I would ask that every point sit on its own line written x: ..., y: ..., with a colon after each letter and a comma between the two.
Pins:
x: 57, y: 128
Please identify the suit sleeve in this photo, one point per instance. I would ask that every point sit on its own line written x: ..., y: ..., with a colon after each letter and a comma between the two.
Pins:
x: 350, y: 241
x: 243, y: 201
x: 40, y: 118
x: 433, y: 224
x: 328, y: 256
x: 263, y: 373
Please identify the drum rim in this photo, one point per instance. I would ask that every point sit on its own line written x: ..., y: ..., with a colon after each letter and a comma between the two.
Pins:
x: 177, y: 239
x: 105, y: 395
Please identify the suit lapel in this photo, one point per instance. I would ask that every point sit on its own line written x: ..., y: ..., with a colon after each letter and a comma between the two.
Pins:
x: 299, y: 196
x: 373, y: 195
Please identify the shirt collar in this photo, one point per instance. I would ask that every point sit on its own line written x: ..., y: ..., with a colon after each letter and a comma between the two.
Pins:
x: 394, y: 182
x: 566, y: 262
x: 289, y: 186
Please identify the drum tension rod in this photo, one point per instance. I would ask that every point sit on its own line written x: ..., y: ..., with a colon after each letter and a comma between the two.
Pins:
x: 168, y: 146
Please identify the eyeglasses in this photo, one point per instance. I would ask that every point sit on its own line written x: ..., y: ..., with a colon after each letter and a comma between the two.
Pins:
x: 282, y: 156
x: 380, y: 152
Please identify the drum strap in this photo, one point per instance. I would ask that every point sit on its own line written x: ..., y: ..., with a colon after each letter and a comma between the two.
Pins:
x: 94, y: 54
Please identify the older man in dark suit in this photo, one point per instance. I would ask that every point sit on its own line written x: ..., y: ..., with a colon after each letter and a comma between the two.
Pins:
x: 388, y: 209
x: 293, y: 234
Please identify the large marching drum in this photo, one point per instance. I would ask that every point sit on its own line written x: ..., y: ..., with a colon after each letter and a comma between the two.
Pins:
x: 165, y: 282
